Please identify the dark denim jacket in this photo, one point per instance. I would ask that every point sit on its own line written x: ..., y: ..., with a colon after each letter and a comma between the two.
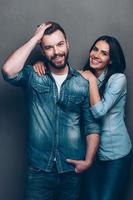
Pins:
x: 57, y: 124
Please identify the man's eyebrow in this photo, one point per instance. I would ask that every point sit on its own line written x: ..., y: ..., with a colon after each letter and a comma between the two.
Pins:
x: 46, y: 46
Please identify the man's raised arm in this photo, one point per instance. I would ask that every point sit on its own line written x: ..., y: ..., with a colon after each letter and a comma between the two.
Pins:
x: 15, y: 62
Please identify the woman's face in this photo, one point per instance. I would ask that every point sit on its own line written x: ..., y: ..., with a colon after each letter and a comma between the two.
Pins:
x: 100, y: 56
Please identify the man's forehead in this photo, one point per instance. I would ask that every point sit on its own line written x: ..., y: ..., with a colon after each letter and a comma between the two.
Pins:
x: 52, y: 38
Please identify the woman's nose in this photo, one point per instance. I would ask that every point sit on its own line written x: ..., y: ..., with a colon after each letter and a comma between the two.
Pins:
x: 97, y: 54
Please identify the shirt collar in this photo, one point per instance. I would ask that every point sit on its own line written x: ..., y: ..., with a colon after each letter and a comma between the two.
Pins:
x: 101, y: 77
x: 71, y: 71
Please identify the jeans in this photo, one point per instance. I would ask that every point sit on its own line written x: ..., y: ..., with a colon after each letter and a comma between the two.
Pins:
x: 107, y: 180
x: 41, y: 185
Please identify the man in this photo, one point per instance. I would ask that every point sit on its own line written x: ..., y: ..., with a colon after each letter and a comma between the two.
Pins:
x: 60, y: 119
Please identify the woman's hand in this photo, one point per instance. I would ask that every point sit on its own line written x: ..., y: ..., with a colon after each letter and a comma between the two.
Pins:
x: 80, y: 165
x: 88, y: 75
x: 39, y: 68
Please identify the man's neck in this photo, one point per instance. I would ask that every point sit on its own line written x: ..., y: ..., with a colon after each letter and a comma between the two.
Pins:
x: 59, y: 71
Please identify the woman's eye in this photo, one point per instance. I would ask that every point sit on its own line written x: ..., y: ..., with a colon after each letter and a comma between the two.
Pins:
x: 95, y: 49
x: 105, y: 53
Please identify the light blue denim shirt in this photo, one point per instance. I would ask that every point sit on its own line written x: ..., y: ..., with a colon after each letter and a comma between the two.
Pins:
x: 115, y: 141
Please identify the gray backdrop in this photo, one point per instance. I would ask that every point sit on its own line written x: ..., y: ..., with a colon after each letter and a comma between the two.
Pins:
x: 84, y: 21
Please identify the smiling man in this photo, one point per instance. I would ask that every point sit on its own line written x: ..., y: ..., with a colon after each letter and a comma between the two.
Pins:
x: 63, y: 136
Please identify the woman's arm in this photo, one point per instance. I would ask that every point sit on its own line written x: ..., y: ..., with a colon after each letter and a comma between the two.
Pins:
x: 115, y: 89
x: 93, y: 88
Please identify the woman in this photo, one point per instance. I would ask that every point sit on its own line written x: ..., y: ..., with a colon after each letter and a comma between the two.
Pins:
x: 108, y: 87
x: 104, y: 70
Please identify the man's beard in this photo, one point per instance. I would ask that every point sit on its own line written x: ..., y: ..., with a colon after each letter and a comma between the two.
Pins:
x: 51, y: 63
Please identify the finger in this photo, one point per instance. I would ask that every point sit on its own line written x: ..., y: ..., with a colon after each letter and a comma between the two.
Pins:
x: 39, y: 70
x: 43, y: 26
x: 75, y: 162
x: 47, y: 22
x: 34, y: 67
x: 76, y: 170
x: 42, y: 69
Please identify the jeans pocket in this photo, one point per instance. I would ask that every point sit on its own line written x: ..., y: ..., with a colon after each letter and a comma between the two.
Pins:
x: 34, y: 173
x: 34, y: 169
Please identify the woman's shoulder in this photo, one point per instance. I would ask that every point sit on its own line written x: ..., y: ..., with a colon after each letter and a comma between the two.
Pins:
x: 117, y: 83
x: 117, y: 77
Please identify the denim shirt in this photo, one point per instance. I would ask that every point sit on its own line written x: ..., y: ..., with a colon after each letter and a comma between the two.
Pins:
x: 58, y: 125
x: 115, y: 142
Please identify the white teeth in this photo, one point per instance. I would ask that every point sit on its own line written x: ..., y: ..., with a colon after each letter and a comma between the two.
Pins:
x: 58, y: 58
x: 95, y: 61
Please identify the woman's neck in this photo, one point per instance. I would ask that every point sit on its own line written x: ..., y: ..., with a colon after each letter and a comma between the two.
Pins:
x: 98, y: 73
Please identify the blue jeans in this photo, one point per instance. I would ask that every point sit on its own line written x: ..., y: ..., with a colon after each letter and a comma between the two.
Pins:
x: 107, y: 180
x: 41, y: 185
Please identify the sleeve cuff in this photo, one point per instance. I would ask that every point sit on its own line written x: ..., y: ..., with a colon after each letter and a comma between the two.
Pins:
x: 97, y: 109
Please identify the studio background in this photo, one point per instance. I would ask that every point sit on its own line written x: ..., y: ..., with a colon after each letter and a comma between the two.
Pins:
x: 83, y: 21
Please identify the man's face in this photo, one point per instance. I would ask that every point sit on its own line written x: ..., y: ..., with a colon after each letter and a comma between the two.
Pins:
x: 55, y: 49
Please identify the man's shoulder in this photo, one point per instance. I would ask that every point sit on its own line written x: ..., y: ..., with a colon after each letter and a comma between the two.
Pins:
x: 28, y: 69
x: 78, y: 77
x: 30, y: 72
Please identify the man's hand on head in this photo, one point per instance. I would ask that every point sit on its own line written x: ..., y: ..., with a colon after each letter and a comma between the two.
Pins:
x: 40, y: 31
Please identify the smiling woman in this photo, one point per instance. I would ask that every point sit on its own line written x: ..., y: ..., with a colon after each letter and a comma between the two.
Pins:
x: 99, y: 56
x: 104, y: 70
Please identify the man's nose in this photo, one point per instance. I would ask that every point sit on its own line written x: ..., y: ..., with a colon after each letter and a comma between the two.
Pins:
x: 56, y: 50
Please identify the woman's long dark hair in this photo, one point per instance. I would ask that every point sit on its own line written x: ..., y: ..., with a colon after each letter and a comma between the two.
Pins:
x: 117, y: 64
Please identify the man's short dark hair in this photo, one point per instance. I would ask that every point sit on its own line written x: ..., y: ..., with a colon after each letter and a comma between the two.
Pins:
x: 54, y: 27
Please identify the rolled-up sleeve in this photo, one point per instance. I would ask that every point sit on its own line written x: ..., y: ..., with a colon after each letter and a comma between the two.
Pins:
x: 89, y: 123
x: 115, y: 89
x: 20, y: 79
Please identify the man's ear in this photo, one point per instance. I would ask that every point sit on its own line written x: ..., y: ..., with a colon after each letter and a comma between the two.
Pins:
x: 42, y: 51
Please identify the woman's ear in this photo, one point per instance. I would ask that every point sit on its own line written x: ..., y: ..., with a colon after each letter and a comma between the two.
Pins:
x: 110, y: 62
x: 67, y: 43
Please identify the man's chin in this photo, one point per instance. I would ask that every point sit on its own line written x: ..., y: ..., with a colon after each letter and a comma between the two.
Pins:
x: 58, y: 66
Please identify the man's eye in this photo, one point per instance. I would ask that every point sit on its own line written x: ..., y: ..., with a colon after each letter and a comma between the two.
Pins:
x: 47, y: 48
x: 61, y: 44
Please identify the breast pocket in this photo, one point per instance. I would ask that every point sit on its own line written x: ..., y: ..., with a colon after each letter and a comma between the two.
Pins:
x: 40, y: 92
x: 74, y: 103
